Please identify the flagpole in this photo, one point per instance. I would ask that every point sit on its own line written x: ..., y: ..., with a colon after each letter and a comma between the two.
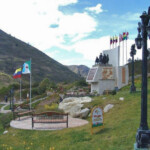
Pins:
x: 30, y: 84
x: 20, y: 89
x: 110, y: 42
x: 126, y: 52
x: 123, y: 52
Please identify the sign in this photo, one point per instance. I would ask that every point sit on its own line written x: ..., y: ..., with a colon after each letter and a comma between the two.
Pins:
x: 97, y: 117
x: 107, y: 73
x: 91, y: 74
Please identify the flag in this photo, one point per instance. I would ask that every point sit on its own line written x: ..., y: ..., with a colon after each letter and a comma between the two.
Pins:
x: 120, y: 38
x: 113, y: 40
x: 110, y: 40
x: 127, y: 35
x: 124, y: 35
x: 26, y: 67
x: 116, y: 39
x: 17, y: 73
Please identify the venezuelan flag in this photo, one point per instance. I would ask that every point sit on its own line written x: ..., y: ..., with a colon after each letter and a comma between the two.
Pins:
x: 17, y: 73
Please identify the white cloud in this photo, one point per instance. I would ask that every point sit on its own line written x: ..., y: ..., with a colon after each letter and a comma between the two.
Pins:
x: 97, y: 9
x: 76, y: 61
x: 91, y: 48
x: 30, y: 20
x: 77, y: 23
x: 66, y: 2
x: 52, y: 53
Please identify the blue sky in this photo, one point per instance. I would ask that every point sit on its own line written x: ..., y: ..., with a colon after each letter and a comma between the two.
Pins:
x: 72, y: 32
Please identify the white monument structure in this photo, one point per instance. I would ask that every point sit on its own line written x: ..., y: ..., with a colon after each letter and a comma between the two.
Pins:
x: 108, y: 76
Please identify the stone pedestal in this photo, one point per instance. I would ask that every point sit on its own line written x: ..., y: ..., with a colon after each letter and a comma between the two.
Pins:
x: 135, y: 148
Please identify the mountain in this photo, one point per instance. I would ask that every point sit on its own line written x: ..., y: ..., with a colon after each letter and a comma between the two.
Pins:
x: 80, y: 70
x: 14, y: 52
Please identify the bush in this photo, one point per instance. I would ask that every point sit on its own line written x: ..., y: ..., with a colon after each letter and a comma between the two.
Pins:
x: 35, y: 92
x: 81, y: 82
x: 43, y: 86
x: 5, y: 119
x: 53, y: 106
x: 24, y: 93
x: 4, y: 91
x: 114, y: 92
x: 15, y: 86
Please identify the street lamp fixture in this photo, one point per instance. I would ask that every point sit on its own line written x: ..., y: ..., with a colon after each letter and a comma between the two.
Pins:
x: 138, y: 40
x: 143, y: 133
x: 132, y: 53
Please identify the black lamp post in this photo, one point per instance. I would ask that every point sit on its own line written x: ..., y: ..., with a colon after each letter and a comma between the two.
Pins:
x: 143, y: 133
x: 11, y: 99
x: 132, y: 53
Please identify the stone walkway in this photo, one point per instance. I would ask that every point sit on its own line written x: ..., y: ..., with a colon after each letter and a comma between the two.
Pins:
x: 2, y: 110
x: 25, y: 123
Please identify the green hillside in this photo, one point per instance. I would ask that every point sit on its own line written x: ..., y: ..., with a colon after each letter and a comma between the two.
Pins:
x: 6, y: 80
x: 14, y: 52
x: 138, y: 67
x: 121, y: 124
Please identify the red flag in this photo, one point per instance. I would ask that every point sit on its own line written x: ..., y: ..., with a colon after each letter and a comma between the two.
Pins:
x: 127, y: 35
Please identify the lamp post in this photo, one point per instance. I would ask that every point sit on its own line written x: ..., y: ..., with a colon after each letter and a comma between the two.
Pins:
x: 11, y: 99
x: 132, y: 53
x: 143, y: 133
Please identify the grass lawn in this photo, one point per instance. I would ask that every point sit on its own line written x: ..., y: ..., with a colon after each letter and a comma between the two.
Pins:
x: 121, y: 124
x: 1, y: 105
x: 7, y: 107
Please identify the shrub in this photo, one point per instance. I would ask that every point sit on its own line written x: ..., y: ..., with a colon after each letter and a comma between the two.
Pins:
x: 43, y: 86
x: 35, y: 92
x: 4, y: 91
x: 15, y: 86
x: 53, y: 106
x: 5, y: 119
x: 81, y: 82
x: 114, y: 92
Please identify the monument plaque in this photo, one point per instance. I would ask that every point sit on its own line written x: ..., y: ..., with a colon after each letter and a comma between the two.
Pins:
x: 107, y: 73
x: 91, y: 74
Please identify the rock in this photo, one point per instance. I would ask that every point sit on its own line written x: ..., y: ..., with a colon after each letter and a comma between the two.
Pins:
x: 84, y: 112
x: 73, y: 105
x: 108, y: 107
x: 75, y: 111
x: 5, y: 132
x: 66, y: 107
x: 121, y: 98
x: 49, y: 93
x: 104, y: 98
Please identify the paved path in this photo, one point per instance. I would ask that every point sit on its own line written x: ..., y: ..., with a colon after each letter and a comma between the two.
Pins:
x: 2, y: 110
x: 25, y: 123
